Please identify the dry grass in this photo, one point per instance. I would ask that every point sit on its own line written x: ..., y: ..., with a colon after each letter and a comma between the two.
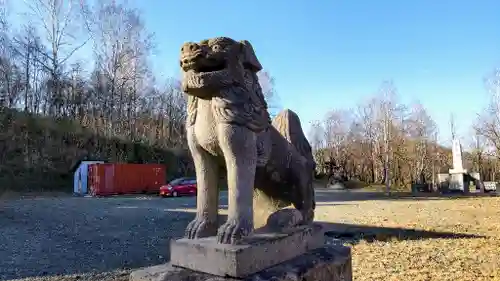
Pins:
x: 399, y: 258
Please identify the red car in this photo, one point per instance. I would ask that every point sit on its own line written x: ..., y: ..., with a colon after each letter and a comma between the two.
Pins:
x: 179, y: 187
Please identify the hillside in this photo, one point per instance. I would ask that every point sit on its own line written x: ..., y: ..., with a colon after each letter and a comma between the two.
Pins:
x: 38, y: 153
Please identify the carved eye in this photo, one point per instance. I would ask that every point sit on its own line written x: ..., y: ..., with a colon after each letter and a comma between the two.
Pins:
x: 216, y: 47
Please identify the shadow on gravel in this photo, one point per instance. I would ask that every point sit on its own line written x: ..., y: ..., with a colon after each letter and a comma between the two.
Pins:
x: 333, y: 204
x: 325, y: 195
x: 353, y: 233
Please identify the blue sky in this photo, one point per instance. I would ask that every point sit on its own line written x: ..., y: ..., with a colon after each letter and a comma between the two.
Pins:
x: 335, y: 54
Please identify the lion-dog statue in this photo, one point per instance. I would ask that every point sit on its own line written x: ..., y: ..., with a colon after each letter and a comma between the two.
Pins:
x: 228, y: 126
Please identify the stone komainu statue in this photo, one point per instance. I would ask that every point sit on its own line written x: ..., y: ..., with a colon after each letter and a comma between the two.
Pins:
x: 228, y: 125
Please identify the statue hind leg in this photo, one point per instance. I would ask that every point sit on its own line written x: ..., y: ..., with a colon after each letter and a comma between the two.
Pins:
x: 207, y: 201
x: 305, y: 201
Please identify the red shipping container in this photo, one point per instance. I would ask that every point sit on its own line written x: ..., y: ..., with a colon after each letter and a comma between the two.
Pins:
x: 123, y: 178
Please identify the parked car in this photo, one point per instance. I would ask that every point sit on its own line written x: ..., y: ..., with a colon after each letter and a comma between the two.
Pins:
x: 179, y: 187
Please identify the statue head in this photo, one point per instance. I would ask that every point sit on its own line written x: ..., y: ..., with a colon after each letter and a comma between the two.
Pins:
x: 216, y: 63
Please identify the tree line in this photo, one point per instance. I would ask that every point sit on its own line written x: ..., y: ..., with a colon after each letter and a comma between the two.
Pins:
x: 119, y: 96
x: 384, y: 141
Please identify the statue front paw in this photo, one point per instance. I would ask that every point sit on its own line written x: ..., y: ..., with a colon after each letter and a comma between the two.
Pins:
x: 307, y: 216
x: 200, y: 227
x: 233, y: 231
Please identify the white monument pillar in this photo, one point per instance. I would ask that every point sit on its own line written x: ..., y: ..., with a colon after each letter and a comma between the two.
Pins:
x: 457, y: 172
x: 456, y: 151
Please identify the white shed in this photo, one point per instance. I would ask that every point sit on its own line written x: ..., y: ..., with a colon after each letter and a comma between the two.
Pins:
x: 81, y: 177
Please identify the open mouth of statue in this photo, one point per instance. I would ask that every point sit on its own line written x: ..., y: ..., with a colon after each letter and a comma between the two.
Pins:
x: 200, y: 64
x: 211, y: 68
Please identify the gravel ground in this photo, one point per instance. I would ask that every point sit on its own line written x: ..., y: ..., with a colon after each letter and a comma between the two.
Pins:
x: 66, y: 238
x: 79, y: 238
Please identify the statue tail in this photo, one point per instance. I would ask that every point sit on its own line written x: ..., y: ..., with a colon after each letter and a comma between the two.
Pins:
x: 287, y: 123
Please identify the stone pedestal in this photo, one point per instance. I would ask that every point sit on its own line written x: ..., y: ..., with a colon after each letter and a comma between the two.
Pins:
x: 457, y: 182
x: 256, y: 253
x: 328, y: 263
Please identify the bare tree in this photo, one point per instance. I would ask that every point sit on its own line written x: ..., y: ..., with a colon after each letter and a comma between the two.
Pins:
x: 388, y: 93
x: 337, y: 128
x: 421, y: 129
x: 316, y: 135
x: 434, y: 158
x: 488, y: 123
x: 11, y: 84
x: 478, y: 151
x: 392, y: 117
x: 27, y: 47
x: 121, y: 48
x: 4, y: 12
x: 61, y: 22
x: 367, y: 120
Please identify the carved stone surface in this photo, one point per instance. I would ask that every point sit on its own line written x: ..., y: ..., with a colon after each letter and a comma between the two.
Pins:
x: 256, y: 253
x: 283, y: 220
x: 228, y: 125
x: 329, y: 263
x: 457, y: 182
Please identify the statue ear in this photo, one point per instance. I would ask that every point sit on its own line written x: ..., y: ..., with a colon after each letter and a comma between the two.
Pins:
x: 249, y: 58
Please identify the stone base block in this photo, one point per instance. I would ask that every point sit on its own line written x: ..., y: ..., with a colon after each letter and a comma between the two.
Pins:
x: 456, y: 182
x: 328, y: 263
x: 256, y: 253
